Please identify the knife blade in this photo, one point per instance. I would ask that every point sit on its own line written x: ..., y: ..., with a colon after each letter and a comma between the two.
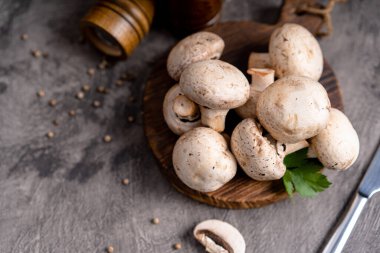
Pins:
x: 371, y: 182
x: 369, y: 185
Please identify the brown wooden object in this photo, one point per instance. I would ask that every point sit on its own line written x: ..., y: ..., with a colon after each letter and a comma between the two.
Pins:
x: 240, y: 38
x: 117, y: 27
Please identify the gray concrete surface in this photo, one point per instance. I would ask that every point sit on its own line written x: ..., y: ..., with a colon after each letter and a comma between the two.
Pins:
x: 65, y: 195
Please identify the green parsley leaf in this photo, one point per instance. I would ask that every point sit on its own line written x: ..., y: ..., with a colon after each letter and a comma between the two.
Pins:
x: 303, y: 175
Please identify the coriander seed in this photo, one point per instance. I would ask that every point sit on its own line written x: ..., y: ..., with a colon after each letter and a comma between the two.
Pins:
x: 110, y: 249
x: 156, y: 221
x: 24, y: 36
x: 72, y: 113
x: 91, y: 71
x: 177, y: 246
x: 131, y: 119
x: 100, y: 89
x: 36, y: 53
x: 103, y: 64
x: 86, y: 87
x: 96, y: 104
x: 79, y: 95
x: 53, y: 102
x: 107, y: 138
x: 55, y: 122
x: 125, y: 181
x: 119, y: 82
x: 50, y: 134
x: 41, y: 93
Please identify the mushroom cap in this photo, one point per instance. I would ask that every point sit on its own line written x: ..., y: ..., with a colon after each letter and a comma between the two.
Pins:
x: 256, y: 155
x: 293, y: 50
x: 175, y: 124
x: 202, y: 161
x: 196, y: 47
x: 215, y: 84
x: 217, y: 235
x: 293, y: 109
x: 337, y: 146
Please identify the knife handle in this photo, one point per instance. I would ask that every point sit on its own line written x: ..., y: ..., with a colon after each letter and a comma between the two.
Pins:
x: 343, y: 230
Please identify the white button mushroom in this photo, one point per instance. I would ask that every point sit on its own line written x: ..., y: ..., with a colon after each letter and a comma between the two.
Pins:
x: 257, y: 156
x: 261, y: 78
x: 293, y: 50
x: 336, y: 146
x: 196, y: 47
x: 219, y: 237
x: 202, y: 161
x: 216, y: 86
x: 293, y: 109
x: 180, y: 113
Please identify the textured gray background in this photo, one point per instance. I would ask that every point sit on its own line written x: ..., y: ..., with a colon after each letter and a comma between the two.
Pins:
x: 65, y: 195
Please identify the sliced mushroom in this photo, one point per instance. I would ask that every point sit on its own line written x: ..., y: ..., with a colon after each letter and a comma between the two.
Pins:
x: 219, y: 237
x: 216, y: 86
x: 337, y: 146
x: 180, y: 113
x: 196, y: 47
x: 202, y: 161
x: 256, y: 155
x: 293, y: 50
x: 293, y: 109
x: 261, y: 78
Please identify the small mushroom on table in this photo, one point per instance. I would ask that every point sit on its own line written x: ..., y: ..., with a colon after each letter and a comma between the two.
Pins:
x: 217, y: 87
x: 336, y: 146
x: 219, y: 237
x: 293, y: 109
x: 197, y: 47
x: 180, y: 113
x: 293, y: 50
x: 202, y: 161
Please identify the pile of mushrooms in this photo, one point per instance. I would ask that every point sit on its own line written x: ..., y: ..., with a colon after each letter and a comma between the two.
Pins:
x: 278, y: 116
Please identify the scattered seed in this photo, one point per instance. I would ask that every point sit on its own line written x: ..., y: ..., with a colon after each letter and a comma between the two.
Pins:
x: 156, y: 221
x: 119, y: 82
x: 131, y: 119
x: 106, y: 91
x: 79, y: 95
x: 36, y: 53
x: 177, y: 246
x: 24, y: 36
x: 110, y: 249
x: 45, y: 55
x: 100, y: 89
x: 55, y: 122
x: 107, y: 138
x: 91, y: 71
x: 96, y: 104
x: 103, y: 64
x: 50, y: 134
x: 127, y: 77
x: 53, y: 102
x: 86, y: 87
x: 125, y: 181
x: 41, y: 93
x: 72, y: 113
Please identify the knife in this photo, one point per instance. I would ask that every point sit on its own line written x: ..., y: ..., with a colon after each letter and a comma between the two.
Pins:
x: 369, y: 185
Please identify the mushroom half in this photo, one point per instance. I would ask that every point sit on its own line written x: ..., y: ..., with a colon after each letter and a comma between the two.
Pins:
x: 199, y: 46
x: 217, y: 87
x: 293, y: 109
x: 219, y: 237
x: 202, y: 161
x: 337, y: 146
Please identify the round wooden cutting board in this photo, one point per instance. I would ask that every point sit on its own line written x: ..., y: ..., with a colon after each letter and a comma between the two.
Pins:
x: 240, y: 38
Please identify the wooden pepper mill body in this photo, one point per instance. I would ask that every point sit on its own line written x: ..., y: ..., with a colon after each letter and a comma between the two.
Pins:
x: 117, y: 27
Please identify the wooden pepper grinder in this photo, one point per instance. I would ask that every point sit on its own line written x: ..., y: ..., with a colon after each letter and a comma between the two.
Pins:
x: 116, y: 27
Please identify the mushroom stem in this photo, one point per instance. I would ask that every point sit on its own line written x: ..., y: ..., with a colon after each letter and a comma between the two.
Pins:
x: 213, y: 118
x: 185, y: 108
x: 259, y: 60
x: 261, y: 78
x: 288, y: 148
